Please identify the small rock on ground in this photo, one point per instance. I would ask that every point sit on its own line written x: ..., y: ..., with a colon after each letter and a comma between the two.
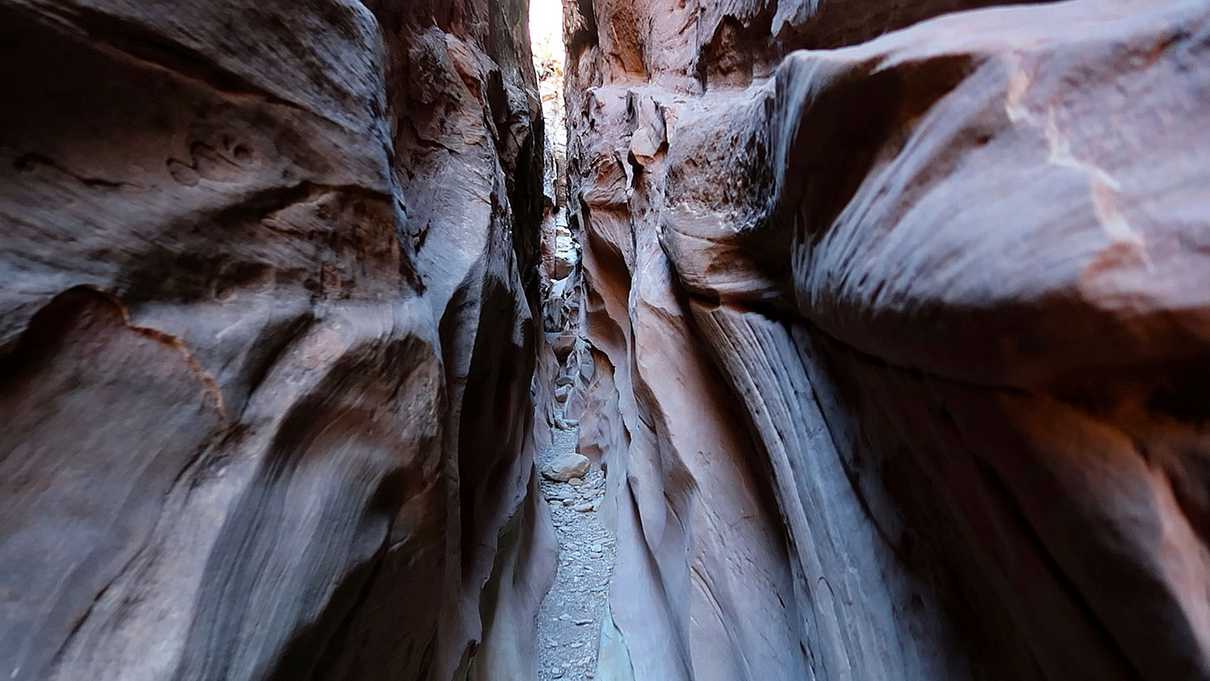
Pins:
x: 566, y: 466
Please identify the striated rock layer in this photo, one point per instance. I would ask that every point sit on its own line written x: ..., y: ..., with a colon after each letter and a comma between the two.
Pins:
x: 267, y: 329
x: 902, y: 341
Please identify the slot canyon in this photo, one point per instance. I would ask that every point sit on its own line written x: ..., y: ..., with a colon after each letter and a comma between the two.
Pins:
x: 623, y: 340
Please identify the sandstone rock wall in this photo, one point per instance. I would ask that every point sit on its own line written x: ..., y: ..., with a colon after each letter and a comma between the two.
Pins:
x: 901, y: 342
x: 267, y: 329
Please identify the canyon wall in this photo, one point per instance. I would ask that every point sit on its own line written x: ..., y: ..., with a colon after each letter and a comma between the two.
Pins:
x: 901, y: 341
x: 267, y: 329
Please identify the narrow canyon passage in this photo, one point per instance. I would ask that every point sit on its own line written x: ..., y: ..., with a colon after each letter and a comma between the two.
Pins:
x: 609, y: 340
x: 572, y: 487
x: 569, y: 622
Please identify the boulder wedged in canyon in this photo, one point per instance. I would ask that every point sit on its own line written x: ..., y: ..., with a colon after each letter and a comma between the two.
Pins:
x: 901, y: 347
x: 266, y: 336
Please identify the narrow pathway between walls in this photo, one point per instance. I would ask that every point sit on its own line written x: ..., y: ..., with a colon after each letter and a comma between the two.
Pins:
x: 569, y: 622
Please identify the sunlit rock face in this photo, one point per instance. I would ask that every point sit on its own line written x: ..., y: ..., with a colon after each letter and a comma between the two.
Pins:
x: 902, y: 340
x: 267, y: 329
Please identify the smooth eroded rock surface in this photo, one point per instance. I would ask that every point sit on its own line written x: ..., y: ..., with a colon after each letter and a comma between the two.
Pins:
x: 900, y: 342
x: 267, y: 329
